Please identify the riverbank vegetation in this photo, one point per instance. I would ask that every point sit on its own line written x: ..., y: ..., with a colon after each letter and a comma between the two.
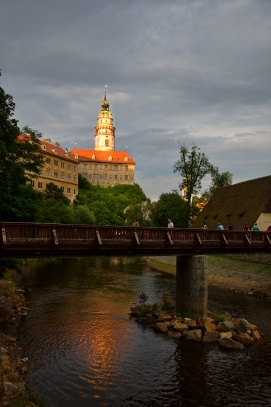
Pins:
x: 13, y: 311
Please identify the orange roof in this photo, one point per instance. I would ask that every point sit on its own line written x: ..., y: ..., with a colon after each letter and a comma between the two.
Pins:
x: 51, y: 149
x: 104, y: 156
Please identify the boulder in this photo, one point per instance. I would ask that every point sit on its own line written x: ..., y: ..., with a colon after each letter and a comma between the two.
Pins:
x: 230, y: 344
x: 194, y: 335
x: 160, y: 327
x: 211, y: 337
x: 180, y: 327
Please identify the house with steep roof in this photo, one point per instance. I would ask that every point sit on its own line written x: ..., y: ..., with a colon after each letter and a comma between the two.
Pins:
x: 104, y: 165
x: 247, y: 202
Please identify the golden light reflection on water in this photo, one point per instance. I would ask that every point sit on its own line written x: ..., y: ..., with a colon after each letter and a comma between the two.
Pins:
x: 101, y: 342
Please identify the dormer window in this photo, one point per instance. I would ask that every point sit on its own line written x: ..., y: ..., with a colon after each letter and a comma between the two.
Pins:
x: 93, y: 157
x: 110, y: 158
x: 125, y: 159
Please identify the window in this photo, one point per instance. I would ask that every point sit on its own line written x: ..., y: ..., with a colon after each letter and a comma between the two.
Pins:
x: 48, y: 173
x: 55, y: 174
x: 62, y: 165
x: 62, y: 176
x: 69, y: 166
x: 39, y: 184
x: 62, y: 189
x: 69, y: 190
x: 48, y: 160
x: 56, y: 163
x: 32, y: 183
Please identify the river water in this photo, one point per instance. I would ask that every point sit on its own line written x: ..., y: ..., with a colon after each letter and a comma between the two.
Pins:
x: 84, y: 351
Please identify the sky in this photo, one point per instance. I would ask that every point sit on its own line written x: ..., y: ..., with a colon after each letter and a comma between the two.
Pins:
x: 179, y: 72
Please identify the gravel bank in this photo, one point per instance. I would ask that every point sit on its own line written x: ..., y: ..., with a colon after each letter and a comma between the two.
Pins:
x: 247, y: 273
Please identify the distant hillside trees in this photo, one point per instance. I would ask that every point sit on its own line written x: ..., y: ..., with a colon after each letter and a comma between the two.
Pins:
x: 116, y: 205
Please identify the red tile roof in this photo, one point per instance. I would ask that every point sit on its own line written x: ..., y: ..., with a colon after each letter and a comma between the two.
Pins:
x: 51, y: 149
x: 116, y: 156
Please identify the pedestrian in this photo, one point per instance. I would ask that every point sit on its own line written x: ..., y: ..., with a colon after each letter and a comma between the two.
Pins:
x: 204, y: 226
x: 170, y: 224
x: 268, y: 229
x: 220, y: 226
x: 246, y: 227
x: 256, y: 228
x: 135, y: 223
x: 230, y: 227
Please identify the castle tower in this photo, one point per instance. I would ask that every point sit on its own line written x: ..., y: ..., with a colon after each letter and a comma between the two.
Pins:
x: 105, y: 131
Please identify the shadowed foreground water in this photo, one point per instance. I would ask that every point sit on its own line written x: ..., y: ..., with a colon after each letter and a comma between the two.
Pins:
x: 85, y: 352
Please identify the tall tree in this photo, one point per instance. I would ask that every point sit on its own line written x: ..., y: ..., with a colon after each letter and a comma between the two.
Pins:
x: 218, y: 180
x: 17, y: 157
x: 192, y: 165
x: 169, y: 206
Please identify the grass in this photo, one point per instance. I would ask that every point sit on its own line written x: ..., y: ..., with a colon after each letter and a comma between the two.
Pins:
x: 229, y: 263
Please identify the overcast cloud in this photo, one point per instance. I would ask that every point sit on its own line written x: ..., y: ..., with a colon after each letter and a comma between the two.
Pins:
x: 194, y: 71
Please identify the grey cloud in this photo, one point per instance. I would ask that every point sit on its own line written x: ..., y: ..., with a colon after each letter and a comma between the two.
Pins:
x: 192, y: 70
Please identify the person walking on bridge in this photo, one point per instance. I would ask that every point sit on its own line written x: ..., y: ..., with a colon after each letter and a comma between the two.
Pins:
x: 219, y: 226
x: 170, y: 224
x: 135, y: 223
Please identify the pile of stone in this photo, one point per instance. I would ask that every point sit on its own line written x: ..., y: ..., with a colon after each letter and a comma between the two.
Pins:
x: 232, y: 333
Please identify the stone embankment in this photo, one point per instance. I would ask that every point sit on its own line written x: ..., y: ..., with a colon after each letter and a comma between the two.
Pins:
x: 230, y: 333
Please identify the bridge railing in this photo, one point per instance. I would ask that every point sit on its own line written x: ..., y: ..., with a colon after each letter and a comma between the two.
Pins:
x: 16, y: 237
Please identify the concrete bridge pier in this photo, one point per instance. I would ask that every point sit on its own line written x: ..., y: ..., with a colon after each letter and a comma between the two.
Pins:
x: 191, y: 284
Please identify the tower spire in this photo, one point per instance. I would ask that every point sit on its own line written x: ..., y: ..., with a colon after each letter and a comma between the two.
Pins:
x: 105, y: 104
x: 105, y: 131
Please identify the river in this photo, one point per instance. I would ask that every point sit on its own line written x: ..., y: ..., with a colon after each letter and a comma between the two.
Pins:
x: 84, y: 351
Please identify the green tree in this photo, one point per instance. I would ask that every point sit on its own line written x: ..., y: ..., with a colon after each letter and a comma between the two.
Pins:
x: 82, y: 215
x: 192, y: 165
x: 17, y: 157
x: 218, y: 180
x: 116, y: 205
x: 52, y: 191
x: 169, y: 205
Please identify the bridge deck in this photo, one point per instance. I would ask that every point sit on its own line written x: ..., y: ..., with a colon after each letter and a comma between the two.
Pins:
x: 27, y: 240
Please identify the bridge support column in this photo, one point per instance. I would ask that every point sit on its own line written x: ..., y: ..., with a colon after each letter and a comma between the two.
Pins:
x: 191, y: 284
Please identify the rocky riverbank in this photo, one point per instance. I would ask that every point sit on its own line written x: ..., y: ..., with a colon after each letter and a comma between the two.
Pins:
x: 246, y: 273
x: 228, y: 332
x: 13, y: 366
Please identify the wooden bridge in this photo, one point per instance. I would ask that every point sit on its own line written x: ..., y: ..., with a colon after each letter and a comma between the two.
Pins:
x: 33, y: 240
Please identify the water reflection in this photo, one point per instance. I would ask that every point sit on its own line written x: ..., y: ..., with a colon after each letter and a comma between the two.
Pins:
x: 85, y: 351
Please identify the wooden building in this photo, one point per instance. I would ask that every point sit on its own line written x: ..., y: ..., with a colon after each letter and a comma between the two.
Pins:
x: 247, y: 202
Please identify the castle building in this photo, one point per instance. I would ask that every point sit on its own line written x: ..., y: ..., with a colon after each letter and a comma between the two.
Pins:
x: 104, y: 165
x: 59, y: 168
